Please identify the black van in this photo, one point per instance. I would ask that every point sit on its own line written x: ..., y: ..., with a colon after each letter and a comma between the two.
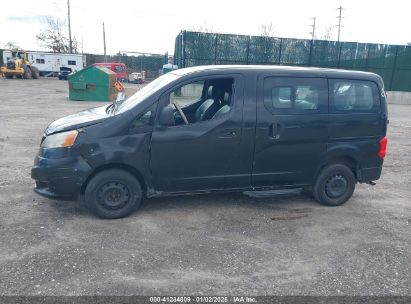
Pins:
x: 220, y: 128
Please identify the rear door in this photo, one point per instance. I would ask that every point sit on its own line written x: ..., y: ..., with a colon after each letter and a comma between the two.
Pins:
x: 355, y: 110
x: 356, y: 118
x: 291, y: 130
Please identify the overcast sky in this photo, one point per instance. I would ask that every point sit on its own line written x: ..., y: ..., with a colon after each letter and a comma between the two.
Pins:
x: 152, y: 25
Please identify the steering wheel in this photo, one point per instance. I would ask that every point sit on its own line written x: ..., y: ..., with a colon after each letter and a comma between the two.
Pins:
x: 180, y: 111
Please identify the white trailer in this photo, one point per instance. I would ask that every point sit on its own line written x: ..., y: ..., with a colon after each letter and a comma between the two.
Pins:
x: 49, y: 64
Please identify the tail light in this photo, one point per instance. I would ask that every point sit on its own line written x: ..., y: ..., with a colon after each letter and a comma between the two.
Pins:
x: 383, y: 147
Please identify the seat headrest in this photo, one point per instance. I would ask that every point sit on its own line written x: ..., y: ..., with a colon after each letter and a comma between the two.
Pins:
x: 214, y: 92
x: 210, y: 92
x: 226, y: 98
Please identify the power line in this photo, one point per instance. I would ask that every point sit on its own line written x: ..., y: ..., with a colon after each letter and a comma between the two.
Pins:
x: 313, y: 30
x: 69, y: 26
x: 339, y: 22
x: 104, y: 41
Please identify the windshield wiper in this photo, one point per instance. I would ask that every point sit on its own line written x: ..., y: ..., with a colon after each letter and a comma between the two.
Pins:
x: 108, y: 109
x: 113, y: 107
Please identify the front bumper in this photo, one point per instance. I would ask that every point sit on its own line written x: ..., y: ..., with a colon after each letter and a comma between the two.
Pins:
x: 59, y: 173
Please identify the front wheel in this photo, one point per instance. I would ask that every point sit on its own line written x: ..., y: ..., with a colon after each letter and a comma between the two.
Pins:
x: 113, y: 194
x: 334, y: 185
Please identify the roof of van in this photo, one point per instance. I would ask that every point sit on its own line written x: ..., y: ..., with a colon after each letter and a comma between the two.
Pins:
x: 280, y: 69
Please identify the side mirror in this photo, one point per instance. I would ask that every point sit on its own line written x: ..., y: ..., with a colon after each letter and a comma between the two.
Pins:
x: 166, y: 117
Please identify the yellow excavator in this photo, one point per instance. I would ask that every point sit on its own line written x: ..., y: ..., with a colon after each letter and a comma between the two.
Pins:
x: 20, y: 67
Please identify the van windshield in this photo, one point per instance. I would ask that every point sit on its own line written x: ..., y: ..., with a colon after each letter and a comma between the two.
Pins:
x: 145, y: 92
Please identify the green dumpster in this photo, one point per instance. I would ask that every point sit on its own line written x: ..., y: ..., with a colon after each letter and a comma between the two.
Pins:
x: 93, y: 83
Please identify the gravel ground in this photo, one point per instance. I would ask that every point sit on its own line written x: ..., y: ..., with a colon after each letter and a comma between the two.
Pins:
x: 203, y: 245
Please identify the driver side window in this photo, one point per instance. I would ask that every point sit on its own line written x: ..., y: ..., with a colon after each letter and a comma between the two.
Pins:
x: 201, y: 100
x: 187, y: 94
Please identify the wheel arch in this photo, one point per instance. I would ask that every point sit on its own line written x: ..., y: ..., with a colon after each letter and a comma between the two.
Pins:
x: 344, y: 157
x: 130, y: 169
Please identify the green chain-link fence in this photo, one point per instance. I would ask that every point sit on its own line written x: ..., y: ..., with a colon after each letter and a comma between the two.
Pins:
x: 391, y: 62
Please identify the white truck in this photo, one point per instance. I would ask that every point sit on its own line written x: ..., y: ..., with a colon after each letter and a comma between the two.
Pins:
x: 49, y: 64
x: 137, y: 77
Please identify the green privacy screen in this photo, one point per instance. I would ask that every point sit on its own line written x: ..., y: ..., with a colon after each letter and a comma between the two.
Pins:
x: 391, y: 62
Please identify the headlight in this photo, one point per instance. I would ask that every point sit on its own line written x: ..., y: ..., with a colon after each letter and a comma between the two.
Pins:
x: 60, y: 140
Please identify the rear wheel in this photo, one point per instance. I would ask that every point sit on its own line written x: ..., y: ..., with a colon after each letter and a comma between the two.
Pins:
x: 113, y: 194
x: 334, y: 185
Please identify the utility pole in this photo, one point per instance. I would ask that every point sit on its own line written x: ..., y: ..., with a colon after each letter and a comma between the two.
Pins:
x: 104, y: 41
x: 313, y: 31
x: 339, y: 22
x: 69, y: 25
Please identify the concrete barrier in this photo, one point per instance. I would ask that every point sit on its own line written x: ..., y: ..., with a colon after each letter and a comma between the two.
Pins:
x: 403, y: 98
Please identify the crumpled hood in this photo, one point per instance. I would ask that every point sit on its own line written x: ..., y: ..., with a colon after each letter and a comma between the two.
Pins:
x: 81, y: 119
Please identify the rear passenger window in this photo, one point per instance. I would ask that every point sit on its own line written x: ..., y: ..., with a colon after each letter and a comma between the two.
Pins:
x: 290, y: 95
x: 354, y: 96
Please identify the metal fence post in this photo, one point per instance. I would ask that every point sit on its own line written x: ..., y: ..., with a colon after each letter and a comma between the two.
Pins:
x: 215, y: 49
x: 340, y: 44
x: 311, y: 52
x: 368, y: 56
x: 180, y: 42
x: 248, y: 49
x: 183, y: 48
x: 393, y: 68
x: 279, y: 55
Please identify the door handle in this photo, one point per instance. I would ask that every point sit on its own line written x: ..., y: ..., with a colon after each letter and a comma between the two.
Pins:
x: 274, y: 131
x: 227, y: 134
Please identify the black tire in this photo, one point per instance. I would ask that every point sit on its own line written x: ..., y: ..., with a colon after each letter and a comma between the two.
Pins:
x: 334, y: 185
x: 8, y: 76
x: 27, y: 71
x: 35, y: 72
x: 113, y: 194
